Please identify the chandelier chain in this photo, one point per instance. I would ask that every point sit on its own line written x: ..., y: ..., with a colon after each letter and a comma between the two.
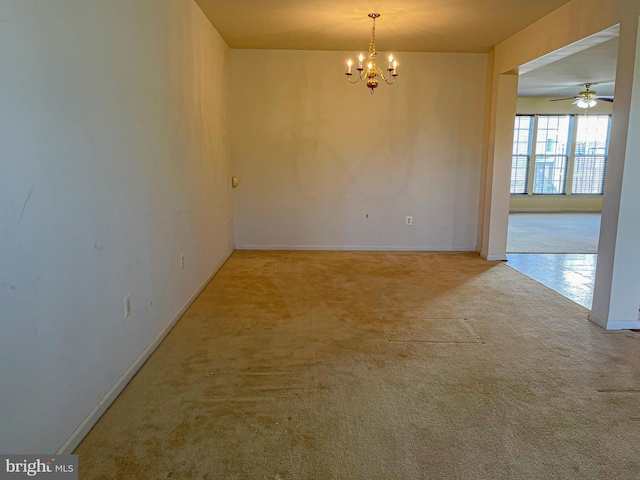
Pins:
x: 372, y: 44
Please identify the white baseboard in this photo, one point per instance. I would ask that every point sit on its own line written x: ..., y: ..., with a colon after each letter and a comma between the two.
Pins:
x: 494, y: 258
x: 89, y: 421
x: 624, y: 325
x: 616, y: 325
x: 353, y: 248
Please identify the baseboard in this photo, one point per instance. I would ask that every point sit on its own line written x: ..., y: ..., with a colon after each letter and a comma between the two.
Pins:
x: 354, y: 248
x: 494, y: 258
x: 617, y: 325
x: 624, y: 325
x: 555, y: 210
x: 89, y: 421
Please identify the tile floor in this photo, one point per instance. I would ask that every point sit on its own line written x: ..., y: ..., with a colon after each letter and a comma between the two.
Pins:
x: 571, y: 275
x: 558, y: 250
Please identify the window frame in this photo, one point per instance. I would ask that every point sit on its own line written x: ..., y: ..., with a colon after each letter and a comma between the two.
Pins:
x: 604, y: 158
x: 526, y: 157
x: 569, y: 168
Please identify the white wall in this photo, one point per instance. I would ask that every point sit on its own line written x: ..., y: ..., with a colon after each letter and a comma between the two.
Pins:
x: 114, y: 159
x: 316, y: 155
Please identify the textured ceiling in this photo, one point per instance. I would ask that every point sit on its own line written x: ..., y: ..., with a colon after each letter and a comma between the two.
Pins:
x: 404, y: 25
x: 566, y: 77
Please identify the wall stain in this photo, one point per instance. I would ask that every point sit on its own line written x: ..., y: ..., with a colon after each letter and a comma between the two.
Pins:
x: 24, y: 206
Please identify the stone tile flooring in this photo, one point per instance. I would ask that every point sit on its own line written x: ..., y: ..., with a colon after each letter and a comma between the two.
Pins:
x: 571, y: 275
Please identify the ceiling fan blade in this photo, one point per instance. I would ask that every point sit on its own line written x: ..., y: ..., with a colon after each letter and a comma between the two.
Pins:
x: 604, y: 99
x: 560, y: 99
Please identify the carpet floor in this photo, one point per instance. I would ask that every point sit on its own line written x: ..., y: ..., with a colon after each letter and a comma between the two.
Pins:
x: 375, y: 365
x: 553, y: 233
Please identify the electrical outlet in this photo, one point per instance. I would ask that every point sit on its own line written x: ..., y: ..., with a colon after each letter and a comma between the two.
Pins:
x: 127, y: 306
x: 408, y: 220
x: 181, y: 261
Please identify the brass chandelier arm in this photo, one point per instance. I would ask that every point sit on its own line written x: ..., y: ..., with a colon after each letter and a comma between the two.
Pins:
x: 389, y: 79
x: 378, y: 72
x: 361, y: 75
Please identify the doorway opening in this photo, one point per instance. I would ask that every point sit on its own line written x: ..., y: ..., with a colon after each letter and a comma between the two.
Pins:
x: 559, y: 165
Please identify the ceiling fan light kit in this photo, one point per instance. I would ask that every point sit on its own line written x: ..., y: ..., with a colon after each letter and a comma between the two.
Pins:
x: 585, y: 99
x: 584, y: 103
x: 372, y: 74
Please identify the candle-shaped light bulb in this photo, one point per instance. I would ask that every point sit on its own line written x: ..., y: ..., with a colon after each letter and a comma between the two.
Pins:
x: 360, y: 59
x: 370, y: 65
x: 395, y: 66
x: 390, y: 60
x: 349, y: 63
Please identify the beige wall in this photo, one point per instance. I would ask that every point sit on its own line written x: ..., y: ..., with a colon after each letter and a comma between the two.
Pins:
x: 115, y: 159
x: 555, y: 203
x: 568, y: 24
x: 316, y: 155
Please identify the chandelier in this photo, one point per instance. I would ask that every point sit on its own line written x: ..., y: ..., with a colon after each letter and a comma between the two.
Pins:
x: 372, y: 74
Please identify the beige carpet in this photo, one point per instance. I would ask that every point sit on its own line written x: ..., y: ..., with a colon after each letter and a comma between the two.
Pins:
x: 353, y: 365
x: 553, y: 233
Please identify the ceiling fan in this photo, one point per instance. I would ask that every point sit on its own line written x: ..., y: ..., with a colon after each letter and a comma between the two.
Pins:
x: 586, y: 98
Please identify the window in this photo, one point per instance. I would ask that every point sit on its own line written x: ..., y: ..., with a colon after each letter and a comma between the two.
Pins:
x: 542, y: 157
x: 551, y: 153
x: 521, y: 154
x: 592, y: 149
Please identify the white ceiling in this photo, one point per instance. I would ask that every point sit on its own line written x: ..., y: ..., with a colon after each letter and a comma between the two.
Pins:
x: 404, y: 25
x: 410, y: 26
x: 566, y: 77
